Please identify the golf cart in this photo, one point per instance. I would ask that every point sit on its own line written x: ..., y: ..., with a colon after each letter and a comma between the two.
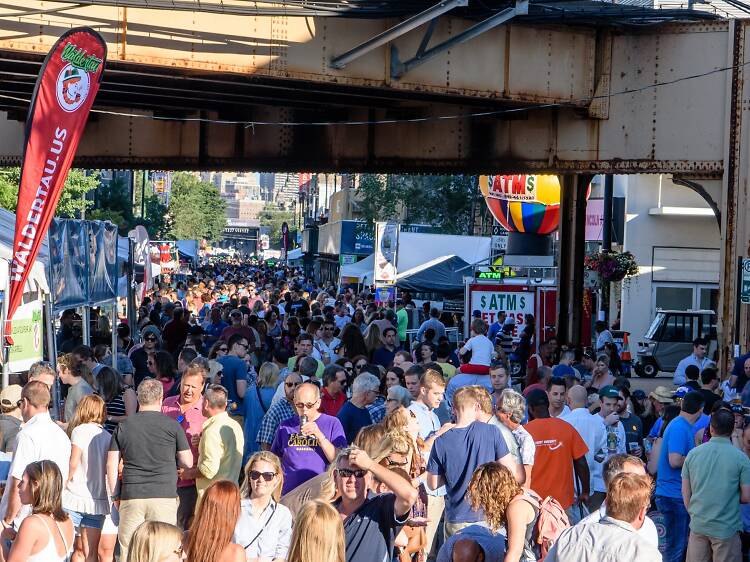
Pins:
x: 670, y: 337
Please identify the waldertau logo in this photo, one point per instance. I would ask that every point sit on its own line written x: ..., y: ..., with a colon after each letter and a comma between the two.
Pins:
x: 79, y: 58
x: 72, y: 87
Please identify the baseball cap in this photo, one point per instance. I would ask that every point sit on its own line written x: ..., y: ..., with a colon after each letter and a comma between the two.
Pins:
x: 476, y: 313
x: 10, y: 396
x: 509, y: 321
x: 681, y: 392
x: 609, y: 391
x: 639, y: 394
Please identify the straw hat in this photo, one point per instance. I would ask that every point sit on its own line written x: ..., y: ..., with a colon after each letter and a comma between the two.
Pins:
x: 662, y: 394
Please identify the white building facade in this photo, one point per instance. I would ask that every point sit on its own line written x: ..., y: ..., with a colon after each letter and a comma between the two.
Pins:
x: 674, y: 236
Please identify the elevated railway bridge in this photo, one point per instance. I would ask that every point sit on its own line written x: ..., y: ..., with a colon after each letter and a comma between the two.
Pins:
x: 573, y: 87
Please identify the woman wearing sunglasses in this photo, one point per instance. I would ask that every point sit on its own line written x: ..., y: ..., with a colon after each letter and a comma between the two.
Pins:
x: 264, y: 528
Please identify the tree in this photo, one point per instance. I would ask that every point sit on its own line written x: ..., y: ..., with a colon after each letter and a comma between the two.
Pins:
x: 196, y: 209
x: 273, y: 216
x: 443, y: 202
x: 72, y: 199
x: 381, y: 197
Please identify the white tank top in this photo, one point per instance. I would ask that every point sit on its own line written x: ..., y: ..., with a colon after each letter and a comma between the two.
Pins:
x: 49, y: 552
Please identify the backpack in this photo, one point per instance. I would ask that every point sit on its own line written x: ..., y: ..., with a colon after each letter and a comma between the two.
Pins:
x: 551, y: 521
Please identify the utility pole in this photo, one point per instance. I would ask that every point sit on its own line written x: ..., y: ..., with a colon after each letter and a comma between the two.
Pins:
x: 606, y: 243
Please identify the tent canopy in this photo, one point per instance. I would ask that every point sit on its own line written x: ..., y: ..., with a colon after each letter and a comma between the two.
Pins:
x: 444, y: 275
x: 363, y: 270
x: 295, y: 254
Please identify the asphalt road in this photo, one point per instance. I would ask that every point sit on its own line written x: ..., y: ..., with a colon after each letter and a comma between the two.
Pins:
x: 648, y: 385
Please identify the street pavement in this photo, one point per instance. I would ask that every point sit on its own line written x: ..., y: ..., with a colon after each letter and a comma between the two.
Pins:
x: 648, y: 385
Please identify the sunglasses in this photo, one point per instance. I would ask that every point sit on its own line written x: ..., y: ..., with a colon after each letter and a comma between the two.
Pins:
x: 360, y: 366
x: 242, y: 345
x: 396, y: 463
x: 308, y: 405
x: 149, y: 339
x: 348, y: 369
x: 256, y: 475
x: 224, y: 349
x: 346, y: 473
x: 292, y: 384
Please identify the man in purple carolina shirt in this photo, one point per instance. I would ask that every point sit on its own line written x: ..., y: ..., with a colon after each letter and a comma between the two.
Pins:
x: 306, y: 450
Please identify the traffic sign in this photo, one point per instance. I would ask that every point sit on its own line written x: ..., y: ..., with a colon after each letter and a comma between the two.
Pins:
x: 745, y: 282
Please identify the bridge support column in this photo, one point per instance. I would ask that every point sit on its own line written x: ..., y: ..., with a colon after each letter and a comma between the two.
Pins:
x: 570, y: 259
x: 734, y: 317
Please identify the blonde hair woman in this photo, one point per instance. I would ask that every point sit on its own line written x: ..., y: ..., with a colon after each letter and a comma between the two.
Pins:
x: 268, y: 375
x: 154, y: 541
x: 85, y: 494
x: 318, y: 535
x: 47, y: 535
x: 261, y: 492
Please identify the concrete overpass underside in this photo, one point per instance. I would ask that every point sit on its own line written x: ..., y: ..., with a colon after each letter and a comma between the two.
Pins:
x: 201, y: 90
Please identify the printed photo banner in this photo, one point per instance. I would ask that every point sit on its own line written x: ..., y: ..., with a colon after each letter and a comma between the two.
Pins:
x: 63, y: 95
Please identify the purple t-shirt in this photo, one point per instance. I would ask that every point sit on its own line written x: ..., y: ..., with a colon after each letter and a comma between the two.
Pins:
x: 301, y: 456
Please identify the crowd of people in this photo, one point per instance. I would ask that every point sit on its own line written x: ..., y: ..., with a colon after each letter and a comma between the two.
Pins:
x: 257, y: 416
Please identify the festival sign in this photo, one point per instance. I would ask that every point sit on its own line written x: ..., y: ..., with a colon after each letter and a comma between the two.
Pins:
x: 386, y: 246
x: 490, y: 303
x: 63, y: 95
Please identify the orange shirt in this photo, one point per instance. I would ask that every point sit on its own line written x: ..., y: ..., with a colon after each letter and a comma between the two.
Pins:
x: 557, y: 445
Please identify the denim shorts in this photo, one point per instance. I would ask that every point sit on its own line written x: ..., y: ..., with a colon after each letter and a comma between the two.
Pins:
x: 85, y: 520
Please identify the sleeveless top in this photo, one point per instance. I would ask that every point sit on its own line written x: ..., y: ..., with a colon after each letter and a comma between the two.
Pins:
x: 49, y: 552
x: 531, y: 552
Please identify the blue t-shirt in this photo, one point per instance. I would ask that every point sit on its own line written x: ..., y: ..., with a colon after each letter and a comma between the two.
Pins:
x: 455, y: 456
x: 679, y: 438
x: 700, y: 425
x: 353, y: 419
x: 233, y: 369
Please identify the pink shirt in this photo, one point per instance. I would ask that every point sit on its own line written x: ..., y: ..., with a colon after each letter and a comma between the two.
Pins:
x: 191, y: 421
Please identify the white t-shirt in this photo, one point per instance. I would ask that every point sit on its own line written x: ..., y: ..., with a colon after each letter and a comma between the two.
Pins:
x: 87, y: 490
x: 591, y: 429
x: 39, y: 439
x: 481, y: 350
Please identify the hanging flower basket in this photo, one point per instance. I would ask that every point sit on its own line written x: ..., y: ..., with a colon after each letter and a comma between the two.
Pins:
x: 612, y: 266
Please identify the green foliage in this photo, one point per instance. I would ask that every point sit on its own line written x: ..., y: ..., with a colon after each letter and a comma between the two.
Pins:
x: 443, y: 202
x: 273, y: 216
x: 196, y: 209
x: 72, y: 199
